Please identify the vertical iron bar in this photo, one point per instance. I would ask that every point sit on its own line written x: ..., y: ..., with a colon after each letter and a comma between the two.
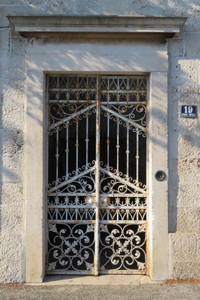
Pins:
x: 137, y: 156
x: 86, y: 140
x: 117, y: 146
x: 57, y: 136
x: 87, y: 88
x: 108, y: 141
x: 67, y: 148
x: 108, y: 88
x: 77, y: 145
x: 137, y: 147
x: 57, y: 153
x: 68, y: 95
x: 97, y: 179
x: 127, y: 152
x: 118, y: 87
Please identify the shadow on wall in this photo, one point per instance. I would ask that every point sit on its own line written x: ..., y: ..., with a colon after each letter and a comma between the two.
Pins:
x: 128, y: 7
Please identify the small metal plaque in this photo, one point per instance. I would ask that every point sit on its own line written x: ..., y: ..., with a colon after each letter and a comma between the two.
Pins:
x: 188, y: 111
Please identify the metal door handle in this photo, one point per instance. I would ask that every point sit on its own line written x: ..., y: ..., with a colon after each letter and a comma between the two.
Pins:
x: 160, y: 175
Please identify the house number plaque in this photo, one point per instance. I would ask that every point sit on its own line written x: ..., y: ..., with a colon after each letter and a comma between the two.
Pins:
x: 188, y: 111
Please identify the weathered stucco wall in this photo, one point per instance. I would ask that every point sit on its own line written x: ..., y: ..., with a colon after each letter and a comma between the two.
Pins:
x: 184, y: 134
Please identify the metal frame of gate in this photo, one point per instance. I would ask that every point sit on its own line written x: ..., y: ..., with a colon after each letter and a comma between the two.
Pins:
x: 96, y: 215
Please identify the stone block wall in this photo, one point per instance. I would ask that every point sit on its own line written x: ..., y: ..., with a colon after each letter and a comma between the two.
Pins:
x: 12, y: 95
x: 184, y: 134
x: 184, y: 162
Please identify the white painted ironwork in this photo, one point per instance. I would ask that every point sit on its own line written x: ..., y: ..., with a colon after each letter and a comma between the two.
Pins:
x: 97, y: 197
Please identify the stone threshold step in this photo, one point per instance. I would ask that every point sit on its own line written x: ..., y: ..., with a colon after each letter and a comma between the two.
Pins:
x: 95, y: 280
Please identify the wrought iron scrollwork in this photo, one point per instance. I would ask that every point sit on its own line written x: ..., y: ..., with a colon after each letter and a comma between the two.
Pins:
x: 71, y: 247
x: 113, y: 181
x: 78, y: 179
x: 122, y: 247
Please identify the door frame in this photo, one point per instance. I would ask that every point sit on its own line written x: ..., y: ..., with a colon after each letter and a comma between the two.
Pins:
x: 154, y: 62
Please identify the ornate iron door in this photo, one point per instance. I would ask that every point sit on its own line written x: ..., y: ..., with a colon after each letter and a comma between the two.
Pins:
x: 97, y: 195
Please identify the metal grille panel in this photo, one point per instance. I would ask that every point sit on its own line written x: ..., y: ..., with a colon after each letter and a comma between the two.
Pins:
x: 97, y: 194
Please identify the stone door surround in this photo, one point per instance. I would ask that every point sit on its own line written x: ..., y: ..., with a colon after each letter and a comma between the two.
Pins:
x: 90, y: 46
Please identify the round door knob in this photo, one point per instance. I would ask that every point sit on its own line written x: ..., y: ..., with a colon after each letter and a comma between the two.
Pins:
x: 160, y: 175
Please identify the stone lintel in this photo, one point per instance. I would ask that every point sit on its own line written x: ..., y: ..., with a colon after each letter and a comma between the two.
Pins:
x: 97, y: 26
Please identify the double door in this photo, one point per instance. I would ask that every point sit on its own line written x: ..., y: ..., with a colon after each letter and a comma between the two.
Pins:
x: 97, y: 194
